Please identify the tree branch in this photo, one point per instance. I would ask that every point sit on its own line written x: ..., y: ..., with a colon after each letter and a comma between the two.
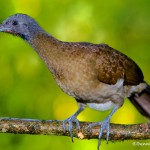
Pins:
x: 49, y: 127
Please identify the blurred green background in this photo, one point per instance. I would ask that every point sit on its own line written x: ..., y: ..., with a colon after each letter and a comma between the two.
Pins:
x: 27, y: 89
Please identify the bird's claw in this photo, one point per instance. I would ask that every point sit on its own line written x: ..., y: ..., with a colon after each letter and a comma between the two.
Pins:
x: 104, y: 126
x: 70, y: 122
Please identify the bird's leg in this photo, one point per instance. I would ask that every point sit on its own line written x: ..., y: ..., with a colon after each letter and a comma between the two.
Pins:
x: 105, y: 125
x: 72, y: 119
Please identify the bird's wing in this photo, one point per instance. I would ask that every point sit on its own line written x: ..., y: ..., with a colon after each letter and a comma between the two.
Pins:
x: 113, y: 65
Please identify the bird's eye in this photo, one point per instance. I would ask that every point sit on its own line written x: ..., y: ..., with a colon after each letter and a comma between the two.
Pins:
x: 25, y: 24
x: 7, y: 23
x: 14, y: 23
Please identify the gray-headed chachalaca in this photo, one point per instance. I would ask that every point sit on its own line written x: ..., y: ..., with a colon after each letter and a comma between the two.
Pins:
x: 96, y: 75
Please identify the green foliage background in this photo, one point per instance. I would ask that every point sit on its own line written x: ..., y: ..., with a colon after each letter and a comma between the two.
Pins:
x: 27, y: 89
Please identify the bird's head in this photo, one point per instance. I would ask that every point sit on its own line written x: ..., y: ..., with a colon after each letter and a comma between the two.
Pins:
x: 20, y: 25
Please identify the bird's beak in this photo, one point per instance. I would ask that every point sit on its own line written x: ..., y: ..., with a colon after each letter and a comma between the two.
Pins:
x: 3, y: 29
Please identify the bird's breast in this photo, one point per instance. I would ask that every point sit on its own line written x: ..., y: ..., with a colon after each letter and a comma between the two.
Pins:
x: 82, y: 84
x: 75, y: 77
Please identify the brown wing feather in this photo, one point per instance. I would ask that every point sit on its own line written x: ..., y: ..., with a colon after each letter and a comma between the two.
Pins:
x: 113, y: 65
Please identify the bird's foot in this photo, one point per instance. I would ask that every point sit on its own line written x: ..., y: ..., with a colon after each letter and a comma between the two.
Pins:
x: 70, y: 122
x: 104, y: 126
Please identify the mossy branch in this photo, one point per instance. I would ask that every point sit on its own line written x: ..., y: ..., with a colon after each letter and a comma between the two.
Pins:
x: 50, y: 127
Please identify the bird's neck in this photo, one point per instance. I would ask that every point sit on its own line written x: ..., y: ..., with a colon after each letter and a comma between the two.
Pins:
x: 47, y: 47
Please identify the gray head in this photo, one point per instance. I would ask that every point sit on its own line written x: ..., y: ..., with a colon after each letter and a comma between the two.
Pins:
x: 21, y: 25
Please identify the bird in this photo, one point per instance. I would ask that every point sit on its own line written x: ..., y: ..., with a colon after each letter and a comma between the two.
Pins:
x: 95, y: 75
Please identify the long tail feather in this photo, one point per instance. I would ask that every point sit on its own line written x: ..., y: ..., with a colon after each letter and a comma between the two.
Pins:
x: 142, y: 102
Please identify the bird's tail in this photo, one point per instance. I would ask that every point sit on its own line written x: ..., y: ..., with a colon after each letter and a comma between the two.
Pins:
x: 142, y: 102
